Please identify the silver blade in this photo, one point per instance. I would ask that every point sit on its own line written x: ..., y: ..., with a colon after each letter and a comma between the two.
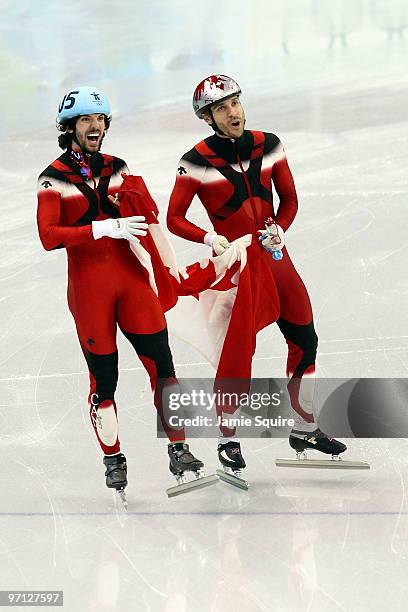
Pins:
x: 119, y: 500
x: 336, y: 464
x: 186, y: 487
x: 234, y: 480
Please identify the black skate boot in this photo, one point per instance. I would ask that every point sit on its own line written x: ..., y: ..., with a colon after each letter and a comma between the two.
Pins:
x: 301, y: 441
x: 232, y: 462
x: 116, y: 474
x: 316, y: 440
x: 182, y: 460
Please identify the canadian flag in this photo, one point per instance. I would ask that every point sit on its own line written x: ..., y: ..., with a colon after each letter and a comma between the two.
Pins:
x: 210, y: 294
x: 214, y: 295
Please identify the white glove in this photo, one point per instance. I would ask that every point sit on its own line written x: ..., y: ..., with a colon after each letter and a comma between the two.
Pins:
x: 219, y: 243
x: 273, y: 237
x: 236, y: 252
x: 126, y: 227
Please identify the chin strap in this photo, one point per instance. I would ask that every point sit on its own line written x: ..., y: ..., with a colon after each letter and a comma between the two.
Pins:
x: 214, y: 125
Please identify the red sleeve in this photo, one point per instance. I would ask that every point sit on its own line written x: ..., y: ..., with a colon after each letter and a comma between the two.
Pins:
x: 184, y: 190
x: 285, y: 188
x: 53, y: 235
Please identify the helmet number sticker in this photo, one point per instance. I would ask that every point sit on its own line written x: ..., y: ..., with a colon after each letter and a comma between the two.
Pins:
x: 68, y: 101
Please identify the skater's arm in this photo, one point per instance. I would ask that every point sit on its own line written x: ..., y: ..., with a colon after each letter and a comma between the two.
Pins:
x: 53, y: 234
x: 285, y: 188
x: 187, y: 184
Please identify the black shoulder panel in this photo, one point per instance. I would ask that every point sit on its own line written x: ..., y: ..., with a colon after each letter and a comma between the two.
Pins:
x: 194, y: 157
x: 271, y: 142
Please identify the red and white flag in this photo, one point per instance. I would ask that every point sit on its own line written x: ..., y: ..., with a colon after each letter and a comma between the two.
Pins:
x: 213, y: 295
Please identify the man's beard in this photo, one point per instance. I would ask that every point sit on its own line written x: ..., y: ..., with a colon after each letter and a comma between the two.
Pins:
x: 84, y: 148
x: 217, y: 130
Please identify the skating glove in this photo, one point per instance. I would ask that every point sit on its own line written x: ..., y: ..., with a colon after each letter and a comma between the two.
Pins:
x: 273, y: 238
x: 126, y: 227
x: 219, y: 243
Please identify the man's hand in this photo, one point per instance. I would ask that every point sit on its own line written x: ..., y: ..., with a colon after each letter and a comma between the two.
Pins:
x: 272, y: 238
x: 219, y: 243
x: 126, y: 227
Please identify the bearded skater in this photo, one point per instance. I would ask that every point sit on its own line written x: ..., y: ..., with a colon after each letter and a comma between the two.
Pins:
x: 232, y: 172
x: 107, y: 285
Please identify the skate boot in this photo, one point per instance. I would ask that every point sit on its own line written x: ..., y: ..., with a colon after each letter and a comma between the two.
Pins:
x: 301, y: 441
x: 116, y: 474
x: 232, y: 462
x: 315, y: 440
x: 182, y: 460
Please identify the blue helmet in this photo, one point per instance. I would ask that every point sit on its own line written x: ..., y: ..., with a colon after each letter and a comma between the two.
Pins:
x: 82, y: 101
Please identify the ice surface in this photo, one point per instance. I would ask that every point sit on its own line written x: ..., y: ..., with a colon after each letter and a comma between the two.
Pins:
x: 330, y: 79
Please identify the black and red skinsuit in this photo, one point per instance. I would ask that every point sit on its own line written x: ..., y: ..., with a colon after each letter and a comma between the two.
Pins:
x: 107, y: 286
x: 233, y: 179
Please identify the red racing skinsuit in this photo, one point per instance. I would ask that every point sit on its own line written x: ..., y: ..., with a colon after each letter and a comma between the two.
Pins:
x: 233, y: 179
x: 107, y: 286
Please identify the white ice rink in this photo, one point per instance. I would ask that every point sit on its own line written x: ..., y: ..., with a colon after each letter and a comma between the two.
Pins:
x: 330, y: 78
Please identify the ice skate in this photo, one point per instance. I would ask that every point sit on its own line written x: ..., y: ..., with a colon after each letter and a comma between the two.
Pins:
x: 302, y: 441
x: 116, y: 475
x: 233, y: 463
x: 182, y: 461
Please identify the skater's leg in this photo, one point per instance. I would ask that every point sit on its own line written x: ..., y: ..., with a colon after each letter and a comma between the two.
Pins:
x: 141, y: 320
x: 154, y: 352
x: 149, y: 337
x: 95, y: 320
x: 227, y: 392
x: 96, y: 328
x: 103, y: 374
x: 302, y: 348
x: 300, y: 370
x: 296, y: 324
